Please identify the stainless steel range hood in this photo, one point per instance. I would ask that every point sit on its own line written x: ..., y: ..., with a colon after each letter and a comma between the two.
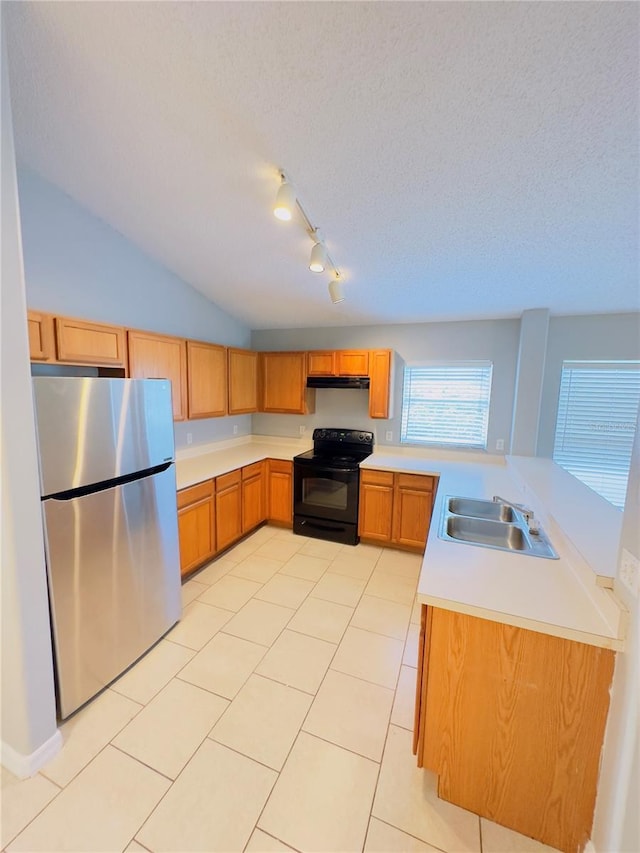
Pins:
x: 361, y: 382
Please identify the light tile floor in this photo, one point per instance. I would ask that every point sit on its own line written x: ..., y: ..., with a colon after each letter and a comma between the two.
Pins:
x: 276, y: 716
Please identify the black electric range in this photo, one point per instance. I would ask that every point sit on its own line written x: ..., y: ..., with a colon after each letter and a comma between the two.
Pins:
x: 326, y: 484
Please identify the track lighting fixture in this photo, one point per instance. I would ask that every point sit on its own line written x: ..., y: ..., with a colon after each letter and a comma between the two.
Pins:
x: 320, y: 260
x: 335, y: 291
x: 285, y: 201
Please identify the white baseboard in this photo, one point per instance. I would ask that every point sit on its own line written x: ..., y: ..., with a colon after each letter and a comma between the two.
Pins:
x: 23, y: 766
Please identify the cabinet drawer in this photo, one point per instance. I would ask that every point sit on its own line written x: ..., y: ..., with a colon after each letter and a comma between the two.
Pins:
x: 252, y: 470
x: 225, y: 481
x: 281, y: 466
x: 195, y: 493
x: 376, y: 478
x: 421, y: 482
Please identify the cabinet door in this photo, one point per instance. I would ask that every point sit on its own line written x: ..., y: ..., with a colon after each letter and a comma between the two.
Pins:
x: 280, y: 491
x: 207, y: 380
x: 41, y: 339
x: 422, y: 675
x: 284, y: 378
x: 243, y: 381
x: 380, y: 383
x: 159, y: 357
x: 196, y: 526
x: 376, y: 505
x: 352, y: 362
x: 228, y: 509
x: 253, y: 496
x: 321, y: 363
x: 90, y: 343
x: 412, y: 505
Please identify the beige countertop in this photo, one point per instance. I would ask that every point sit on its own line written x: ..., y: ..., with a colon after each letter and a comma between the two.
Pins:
x: 558, y: 597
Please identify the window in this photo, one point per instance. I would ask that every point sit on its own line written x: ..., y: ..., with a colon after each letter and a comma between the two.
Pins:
x: 447, y: 404
x: 596, y: 424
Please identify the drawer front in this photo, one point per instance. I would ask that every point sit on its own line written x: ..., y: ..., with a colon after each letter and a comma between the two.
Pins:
x: 376, y: 478
x: 421, y: 482
x: 225, y: 481
x: 281, y: 466
x: 252, y: 470
x: 195, y: 493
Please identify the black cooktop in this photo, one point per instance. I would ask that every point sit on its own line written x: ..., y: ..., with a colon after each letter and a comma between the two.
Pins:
x: 342, y: 449
x: 330, y: 460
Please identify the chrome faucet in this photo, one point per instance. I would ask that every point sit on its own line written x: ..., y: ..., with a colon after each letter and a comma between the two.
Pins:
x: 532, y: 523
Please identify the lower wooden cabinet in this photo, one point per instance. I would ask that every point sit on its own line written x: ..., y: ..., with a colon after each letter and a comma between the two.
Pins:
x: 280, y: 491
x: 395, y: 509
x: 512, y: 721
x: 228, y: 508
x: 253, y: 496
x: 196, y: 525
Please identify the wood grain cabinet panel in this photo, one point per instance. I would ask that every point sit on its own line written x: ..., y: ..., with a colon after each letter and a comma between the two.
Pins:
x: 395, y: 509
x: 321, y: 363
x: 196, y: 525
x: 160, y: 357
x: 376, y: 505
x: 280, y: 491
x: 41, y: 336
x: 284, y: 380
x: 253, y: 496
x: 228, y: 509
x: 206, y: 380
x: 352, y: 362
x: 243, y: 381
x: 512, y: 721
x: 80, y: 342
x: 380, y: 365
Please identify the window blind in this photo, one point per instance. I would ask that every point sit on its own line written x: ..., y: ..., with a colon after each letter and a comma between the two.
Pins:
x: 597, y: 411
x: 447, y: 404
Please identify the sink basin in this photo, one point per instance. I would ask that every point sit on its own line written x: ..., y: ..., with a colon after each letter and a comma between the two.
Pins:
x: 480, y: 509
x: 483, y: 531
x: 491, y: 524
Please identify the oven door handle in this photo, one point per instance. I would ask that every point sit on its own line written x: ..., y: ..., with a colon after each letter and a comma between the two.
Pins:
x: 325, y: 469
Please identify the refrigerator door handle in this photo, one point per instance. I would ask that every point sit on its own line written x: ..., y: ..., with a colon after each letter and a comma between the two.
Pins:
x: 71, y: 494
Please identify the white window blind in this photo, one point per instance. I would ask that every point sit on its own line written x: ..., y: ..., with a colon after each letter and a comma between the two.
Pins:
x: 447, y: 403
x: 597, y: 412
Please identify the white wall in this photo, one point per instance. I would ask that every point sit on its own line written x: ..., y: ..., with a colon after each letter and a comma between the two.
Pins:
x: 76, y: 264
x: 586, y: 338
x: 493, y: 340
x: 29, y: 733
x: 534, y: 327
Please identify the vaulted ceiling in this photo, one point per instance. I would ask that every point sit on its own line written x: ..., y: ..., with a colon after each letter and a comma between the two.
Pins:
x: 462, y: 159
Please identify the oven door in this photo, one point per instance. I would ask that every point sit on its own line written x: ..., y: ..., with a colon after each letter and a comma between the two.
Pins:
x: 329, y: 493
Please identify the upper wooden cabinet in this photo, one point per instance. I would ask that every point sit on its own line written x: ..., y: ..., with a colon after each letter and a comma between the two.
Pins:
x: 41, y: 337
x: 243, y: 381
x: 79, y: 342
x: 380, y: 363
x: 284, y: 381
x: 338, y: 363
x: 159, y: 357
x: 207, y: 380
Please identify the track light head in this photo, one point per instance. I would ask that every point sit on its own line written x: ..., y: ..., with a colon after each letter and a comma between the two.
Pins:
x: 335, y: 291
x: 285, y: 201
x: 318, y: 259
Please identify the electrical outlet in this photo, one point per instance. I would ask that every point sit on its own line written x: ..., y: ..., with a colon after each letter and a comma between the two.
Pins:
x: 189, y: 437
x: 388, y: 435
x: 302, y: 429
x: 500, y: 444
x: 235, y: 429
x: 630, y: 571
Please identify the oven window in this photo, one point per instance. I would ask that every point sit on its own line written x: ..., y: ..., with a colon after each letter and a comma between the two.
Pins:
x: 319, y: 491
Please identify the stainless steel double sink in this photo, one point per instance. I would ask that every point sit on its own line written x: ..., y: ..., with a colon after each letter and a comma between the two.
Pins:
x: 492, y: 524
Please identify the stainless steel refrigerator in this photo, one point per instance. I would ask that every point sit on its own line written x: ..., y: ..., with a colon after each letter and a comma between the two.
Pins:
x: 107, y: 473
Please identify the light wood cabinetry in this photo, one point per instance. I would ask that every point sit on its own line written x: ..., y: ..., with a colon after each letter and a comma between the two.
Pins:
x: 196, y: 525
x: 41, y: 336
x: 283, y: 381
x: 338, y: 363
x: 243, y: 381
x: 395, y: 508
x: 380, y: 364
x: 160, y: 357
x: 206, y: 380
x: 253, y: 496
x: 280, y: 491
x: 321, y: 363
x: 228, y: 508
x: 79, y: 342
x: 512, y: 721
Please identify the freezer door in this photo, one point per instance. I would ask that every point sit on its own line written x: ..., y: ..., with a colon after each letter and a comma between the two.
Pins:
x: 114, y: 580
x: 94, y: 429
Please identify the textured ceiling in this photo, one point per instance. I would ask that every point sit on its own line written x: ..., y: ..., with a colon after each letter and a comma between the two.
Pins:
x: 462, y: 159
